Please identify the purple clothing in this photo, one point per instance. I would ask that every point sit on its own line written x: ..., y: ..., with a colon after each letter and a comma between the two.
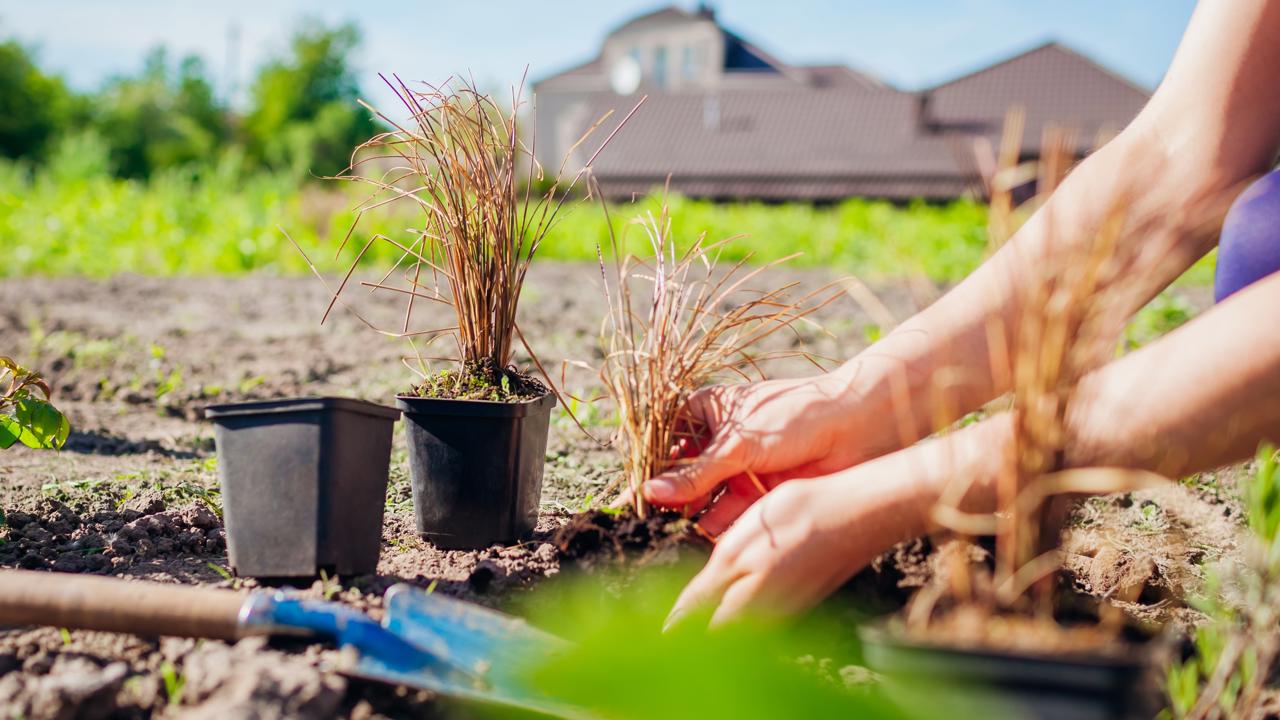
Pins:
x: 1249, y: 248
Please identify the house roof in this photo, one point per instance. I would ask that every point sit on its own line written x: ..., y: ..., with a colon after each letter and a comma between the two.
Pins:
x: 1052, y: 83
x: 775, y: 143
x: 661, y: 16
x: 828, y: 131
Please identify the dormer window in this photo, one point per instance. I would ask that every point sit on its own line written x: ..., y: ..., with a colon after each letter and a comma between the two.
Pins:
x: 688, y: 63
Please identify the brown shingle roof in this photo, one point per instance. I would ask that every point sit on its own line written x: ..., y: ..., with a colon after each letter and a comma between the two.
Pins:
x: 788, y: 143
x: 827, y: 132
x: 1052, y: 83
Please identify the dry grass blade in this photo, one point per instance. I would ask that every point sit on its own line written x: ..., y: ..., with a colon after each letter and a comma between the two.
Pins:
x: 675, y: 324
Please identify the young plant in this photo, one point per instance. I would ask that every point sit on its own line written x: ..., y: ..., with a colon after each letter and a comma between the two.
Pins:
x: 677, y: 322
x: 460, y: 160
x: 1070, y: 324
x: 1236, y: 650
x: 26, y: 415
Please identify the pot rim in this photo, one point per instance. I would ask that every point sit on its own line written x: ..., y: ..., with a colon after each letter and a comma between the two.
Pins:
x: 299, y: 405
x: 414, y: 405
x: 1139, y: 654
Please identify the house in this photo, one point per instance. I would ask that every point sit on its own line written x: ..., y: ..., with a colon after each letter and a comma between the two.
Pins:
x: 724, y: 119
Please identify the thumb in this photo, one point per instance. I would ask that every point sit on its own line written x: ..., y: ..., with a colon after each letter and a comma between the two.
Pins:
x: 691, y: 479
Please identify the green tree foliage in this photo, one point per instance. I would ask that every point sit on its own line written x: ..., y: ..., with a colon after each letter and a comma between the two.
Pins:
x: 303, y: 114
x: 302, y: 118
x: 34, y: 107
x: 165, y: 117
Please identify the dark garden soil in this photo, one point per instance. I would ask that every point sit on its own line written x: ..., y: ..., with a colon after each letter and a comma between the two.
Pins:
x: 134, y: 360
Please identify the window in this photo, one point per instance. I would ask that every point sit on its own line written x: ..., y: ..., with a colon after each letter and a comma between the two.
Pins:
x: 660, y: 66
x: 688, y: 63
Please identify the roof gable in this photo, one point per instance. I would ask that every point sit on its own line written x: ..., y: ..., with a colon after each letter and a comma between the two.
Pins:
x: 1052, y: 82
x: 657, y: 18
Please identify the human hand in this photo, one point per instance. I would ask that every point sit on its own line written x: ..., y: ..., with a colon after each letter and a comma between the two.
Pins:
x: 754, y: 436
x: 803, y: 540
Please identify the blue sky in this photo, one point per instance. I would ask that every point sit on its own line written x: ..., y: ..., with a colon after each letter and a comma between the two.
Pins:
x: 909, y: 43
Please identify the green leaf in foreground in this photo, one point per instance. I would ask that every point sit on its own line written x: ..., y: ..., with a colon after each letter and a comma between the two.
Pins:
x: 621, y: 665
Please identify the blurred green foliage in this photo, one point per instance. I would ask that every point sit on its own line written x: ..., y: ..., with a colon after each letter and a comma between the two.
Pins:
x: 1237, y: 644
x: 301, y: 118
x: 303, y: 114
x: 621, y: 665
x: 166, y: 117
x: 34, y: 107
x: 69, y: 218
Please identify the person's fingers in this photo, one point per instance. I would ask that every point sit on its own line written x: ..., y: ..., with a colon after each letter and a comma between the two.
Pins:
x: 723, y: 512
x: 692, y: 479
x: 627, y: 498
x: 703, y: 591
x: 729, y: 506
x: 742, y: 596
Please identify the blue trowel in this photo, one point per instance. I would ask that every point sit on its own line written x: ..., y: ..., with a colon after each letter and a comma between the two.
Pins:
x: 427, y: 641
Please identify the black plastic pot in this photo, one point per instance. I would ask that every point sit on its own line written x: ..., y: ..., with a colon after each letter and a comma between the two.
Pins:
x: 304, y: 483
x: 927, y: 679
x: 476, y: 468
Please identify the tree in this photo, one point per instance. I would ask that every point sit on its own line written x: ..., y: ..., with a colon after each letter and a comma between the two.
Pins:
x: 303, y: 113
x: 34, y: 107
x: 161, y: 118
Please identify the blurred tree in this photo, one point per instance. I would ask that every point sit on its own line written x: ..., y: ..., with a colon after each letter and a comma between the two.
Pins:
x: 303, y: 115
x: 34, y: 107
x: 161, y: 118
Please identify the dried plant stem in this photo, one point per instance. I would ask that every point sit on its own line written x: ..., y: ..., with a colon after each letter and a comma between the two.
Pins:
x: 694, y: 324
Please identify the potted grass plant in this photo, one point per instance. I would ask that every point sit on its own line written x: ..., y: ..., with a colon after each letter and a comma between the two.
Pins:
x: 477, y: 430
x: 998, y: 640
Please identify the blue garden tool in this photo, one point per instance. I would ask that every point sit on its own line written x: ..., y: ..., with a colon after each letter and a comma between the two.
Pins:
x: 426, y: 641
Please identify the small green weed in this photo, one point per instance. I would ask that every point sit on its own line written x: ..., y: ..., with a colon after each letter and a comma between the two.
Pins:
x: 174, y: 683
x: 1236, y: 650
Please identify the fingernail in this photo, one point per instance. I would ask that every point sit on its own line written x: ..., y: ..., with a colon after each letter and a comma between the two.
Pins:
x: 659, y: 490
x: 673, y: 619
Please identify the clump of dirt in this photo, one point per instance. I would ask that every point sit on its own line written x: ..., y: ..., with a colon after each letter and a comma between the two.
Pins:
x: 63, y: 686
x: 53, y: 536
x: 482, y: 381
x: 600, y: 536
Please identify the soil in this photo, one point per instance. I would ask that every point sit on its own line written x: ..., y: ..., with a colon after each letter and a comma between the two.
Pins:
x: 482, y: 381
x: 133, y: 361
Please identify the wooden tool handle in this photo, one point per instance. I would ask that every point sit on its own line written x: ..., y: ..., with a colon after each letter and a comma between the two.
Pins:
x: 87, y: 602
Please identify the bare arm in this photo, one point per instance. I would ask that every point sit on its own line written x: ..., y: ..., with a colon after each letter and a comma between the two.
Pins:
x: 1213, y: 123
x: 1205, y: 395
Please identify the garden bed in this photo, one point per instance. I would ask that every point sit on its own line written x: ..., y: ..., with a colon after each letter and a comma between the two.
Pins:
x: 133, y: 361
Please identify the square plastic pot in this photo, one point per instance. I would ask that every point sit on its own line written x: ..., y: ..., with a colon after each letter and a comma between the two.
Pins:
x: 304, y: 484
x: 927, y: 679
x: 476, y: 468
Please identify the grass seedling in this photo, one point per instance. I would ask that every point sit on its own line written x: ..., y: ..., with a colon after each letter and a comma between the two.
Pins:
x: 1237, y: 648
x: 677, y: 322
x: 174, y: 683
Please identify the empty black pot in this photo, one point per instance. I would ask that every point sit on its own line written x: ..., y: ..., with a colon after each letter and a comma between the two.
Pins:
x: 476, y: 468
x: 304, y: 483
x: 925, y: 680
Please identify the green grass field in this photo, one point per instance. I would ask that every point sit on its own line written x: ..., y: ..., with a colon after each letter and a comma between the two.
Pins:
x: 78, y: 221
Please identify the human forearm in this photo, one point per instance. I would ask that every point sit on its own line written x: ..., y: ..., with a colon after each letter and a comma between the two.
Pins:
x: 1213, y: 123
x: 956, y: 354
x: 1203, y: 396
